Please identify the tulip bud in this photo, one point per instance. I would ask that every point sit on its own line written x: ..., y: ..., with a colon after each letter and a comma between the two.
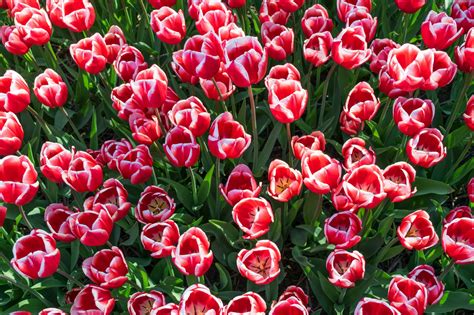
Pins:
x: 227, y: 137
x: 346, y: 6
x: 112, y: 151
x: 469, y: 113
x: 90, y: 54
x: 12, y: 40
x: 410, y: 6
x: 464, y: 54
x: 462, y: 12
x: 398, y: 180
x: 289, y: 306
x: 181, y: 147
x: 111, y: 198
x: 364, y: 186
x: 84, y: 173
x: 192, y: 114
x: 200, y: 57
x: 287, y: 100
x: 380, y: 50
x: 361, y: 17
x: 361, y: 103
x: 77, y: 15
x: 150, y: 87
x: 145, y: 130
x: 270, y: 10
x: 50, y: 89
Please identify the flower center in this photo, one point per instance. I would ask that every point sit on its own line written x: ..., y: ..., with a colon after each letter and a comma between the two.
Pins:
x: 157, y: 205
x: 282, y: 184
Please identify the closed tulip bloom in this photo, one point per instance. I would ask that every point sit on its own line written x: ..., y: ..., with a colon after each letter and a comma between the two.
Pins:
x: 169, y: 26
x: 346, y: 6
x: 84, y: 173
x: 181, y: 147
x: 287, y: 100
x: 296, y: 292
x: 198, y: 299
x: 317, y: 48
x: 361, y: 103
x: 411, y: 115
x: 462, y: 11
x: 469, y: 113
x: 442, y: 70
x: 245, y: 61
x: 282, y: 72
x: 240, y: 184
x: 278, y: 40
x: 225, y: 87
x: 107, y: 268
x: 236, y: 3
x: 35, y: 255
x: 349, y: 125
x: 160, y: 238
x: 56, y: 216
x: 13, y: 41
x: 227, y: 137
x: 356, y: 154
x: 113, y: 150
x: 321, y: 173
x: 464, y: 54
x: 417, y: 232
x: 289, y: 306
x: 54, y: 160
x: 14, y: 92
x: 114, y: 40
x: 261, y: 263
x: 350, y: 48
x: 54, y: 9
x: 364, y: 186
x: 410, y: 6
x: 253, y: 216
x: 34, y: 26
x: 458, y: 240
x: 77, y: 15
x: 247, y: 303
x: 308, y: 143
x: 230, y: 31
x: 316, y: 20
x: 191, y: 114
x: 361, y: 17
x: 136, y: 164
x: 398, y: 180
x: 284, y: 182
x: 345, y: 268
x: 150, y: 87
x: 342, y: 229
x: 129, y: 62
x: 18, y: 180
x: 439, y: 31
x: 426, y: 148
x: 270, y: 10
x: 141, y: 303
x: 191, y: 63
x: 374, y: 306
x: 212, y: 15
x: 456, y: 213
x: 161, y: 3
x: 380, y: 50
x: 192, y: 255
x: 50, y: 89
x: 407, y: 295
x: 154, y: 205
x: 90, y: 54
x: 145, y: 130
x: 168, y: 309
x: 91, y: 228
x: 93, y: 299
x: 426, y: 275
x: 11, y: 133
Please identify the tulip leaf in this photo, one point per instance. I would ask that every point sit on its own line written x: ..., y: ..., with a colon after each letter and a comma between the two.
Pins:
x: 452, y: 301
x: 427, y: 186
x: 205, y: 187
x: 184, y: 195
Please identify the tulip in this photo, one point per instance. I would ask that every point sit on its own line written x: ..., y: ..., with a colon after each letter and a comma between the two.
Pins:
x: 341, y: 200
x: 282, y: 73
x: 157, y: 4
x: 229, y: 31
x: 426, y: 148
x: 278, y: 40
x: 361, y: 103
x: 54, y: 160
x: 364, y: 186
x: 270, y: 10
x: 350, y: 126
x: 407, y: 296
x: 154, y: 205
x: 387, y: 84
x: 168, y: 309
x: 359, y: 16
x: 129, y: 62
x: 342, y: 229
x: 457, y: 240
x: 35, y: 255
x: 51, y: 311
x: 316, y: 48
x: 13, y: 41
x: 181, y: 147
x: 374, y: 306
x: 179, y: 67
x: 294, y: 292
x: 224, y: 89
x: 56, y: 216
x: 417, y: 232
x: 470, y: 190
x: 349, y: 49
x: 90, y: 54
x: 413, y: 114
x: 112, y: 151
x: 141, y: 302
x: 426, y: 274
x: 54, y: 9
x: 236, y: 3
x: 76, y: 15
x: 145, y: 130
x: 107, y: 268
x: 3, y: 215
x: 398, y: 180
x: 91, y: 228
x: 93, y: 299
x: 20, y: 186
x: 34, y: 26
x: 11, y: 133
x: 308, y: 143
x: 160, y: 238
x: 136, y: 164
x: 405, y: 67
x: 260, y: 264
x: 168, y: 25
x: 284, y: 181
x: 290, y: 306
x: 191, y: 114
x: 469, y: 113
x: 316, y: 20
x: 287, y: 100
x: 380, y: 50
x: 212, y: 15
x: 439, y: 31
x: 123, y: 101
x: 457, y: 213
x: 346, y: 6
x: 240, y: 184
x: 199, y: 56
x: 321, y: 173
x: 247, y: 303
x: 18, y: 5
x: 464, y: 54
x: 150, y: 87
x: 198, y: 299
x: 115, y: 41
x: 462, y: 12
x: 345, y: 268
x: 410, y: 6
x: 253, y: 216
x: 442, y: 70
x: 14, y: 92
x: 192, y: 255
x: 84, y: 173
x: 227, y: 137
x: 50, y: 89
x: 356, y: 154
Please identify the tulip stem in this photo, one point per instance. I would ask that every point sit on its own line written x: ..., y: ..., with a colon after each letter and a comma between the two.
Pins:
x: 23, y: 214
x: 342, y: 295
x: 193, y: 185
x: 25, y: 288
x: 73, y: 126
x: 254, y: 127
x: 325, y: 93
x: 69, y: 277
x: 218, y: 180
x: 221, y: 99
x: 467, y: 82
x: 169, y: 264
x: 467, y: 148
x: 447, y: 270
x: 288, y: 134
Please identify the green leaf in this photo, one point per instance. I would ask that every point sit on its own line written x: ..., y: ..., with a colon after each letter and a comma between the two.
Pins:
x: 425, y: 186
x: 452, y: 301
x: 183, y: 194
x: 205, y: 187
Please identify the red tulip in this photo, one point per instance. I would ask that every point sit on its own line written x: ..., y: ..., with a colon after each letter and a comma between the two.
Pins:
x: 14, y: 92
x: 463, y: 13
x: 458, y: 241
x: 289, y: 306
x: 349, y: 48
x: 407, y: 296
x: 13, y: 41
x: 346, y: 6
x: 154, y: 205
x: 261, y: 263
x: 192, y: 255
x: 345, y: 268
x: 247, y: 303
x: 115, y: 41
x: 287, y: 100
x: 112, y: 151
x: 342, y: 229
x: 107, y: 268
x: 439, y: 31
x: 150, y: 87
x: 417, y: 232
x: 162, y: 3
x: 374, y: 306
x: 294, y: 292
x: 380, y: 50
x: 123, y: 101
x: 145, y: 130
x: 90, y: 53
x: 50, y: 89
x: 398, y: 180
x: 356, y: 154
x: 426, y: 148
x: 278, y: 40
x: 3, y: 215
x: 359, y: 16
x: 229, y: 31
x: 456, y: 213
x: 91, y: 228
x: 442, y: 70
x: 18, y: 180
x: 464, y: 54
x: 212, y: 15
x: 54, y: 9
x: 308, y: 143
x: 160, y: 238
x: 426, y: 274
x: 361, y: 103
x: 364, y: 186
x: 84, y: 173
x: 349, y: 125
x: 17, y: 5
x: 77, y: 15
x: 54, y: 160
x: 321, y: 173
x: 316, y: 20
x: 240, y: 184
x: 316, y: 48
x: 35, y: 255
x: 93, y: 299
x: 470, y: 190
x: 192, y: 114
x: 34, y: 26
x: 245, y: 61
x: 198, y: 299
x: 413, y: 114
x: 168, y: 25
x: 224, y: 89
x: 227, y: 137
x: 236, y: 3
x: 181, y: 147
x: 469, y: 113
x: 282, y: 72
x: 168, y: 309
x: 51, y: 311
x: 200, y: 57
x: 142, y: 302
x: 56, y: 216
x: 284, y: 182
x: 11, y: 133
x: 253, y: 216
x: 180, y: 68
x: 129, y: 62
x: 270, y: 10
x: 136, y: 164
x: 410, y: 6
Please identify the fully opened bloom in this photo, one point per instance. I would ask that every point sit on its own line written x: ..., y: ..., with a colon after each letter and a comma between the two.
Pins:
x: 342, y: 229
x: 345, y: 268
x: 240, y: 184
x: 412, y: 114
x: 247, y: 303
x: 374, y: 306
x: 426, y: 275
x: 18, y: 180
x: 307, y: 143
x: 426, y: 148
x: 350, y: 48
x: 93, y: 299
x: 141, y: 303
x: 356, y: 154
x: 107, y: 268
x: 261, y: 263
x: 192, y: 255
x: 253, y: 216
x: 284, y: 182
x: 417, y: 232
x: 154, y: 205
x: 407, y: 295
x: 398, y: 180
x: 11, y: 133
x: 50, y: 89
x: 321, y: 173
x: 198, y: 299
x: 14, y: 92
x: 227, y: 137
x: 160, y: 238
x: 458, y: 240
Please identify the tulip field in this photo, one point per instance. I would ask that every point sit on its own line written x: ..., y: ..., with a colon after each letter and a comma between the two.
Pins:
x: 226, y: 157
